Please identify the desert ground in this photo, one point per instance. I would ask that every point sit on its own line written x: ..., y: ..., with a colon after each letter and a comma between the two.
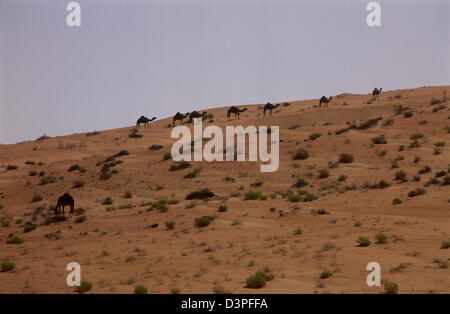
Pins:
x: 134, y: 226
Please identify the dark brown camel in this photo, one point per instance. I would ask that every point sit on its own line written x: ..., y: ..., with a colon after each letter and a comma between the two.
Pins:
x: 144, y: 120
x: 376, y: 93
x: 324, y: 100
x: 179, y: 116
x: 236, y: 111
x: 269, y: 107
x: 65, y: 200
x: 195, y: 114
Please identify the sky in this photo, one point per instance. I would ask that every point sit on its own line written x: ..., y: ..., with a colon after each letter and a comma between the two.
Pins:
x: 154, y: 58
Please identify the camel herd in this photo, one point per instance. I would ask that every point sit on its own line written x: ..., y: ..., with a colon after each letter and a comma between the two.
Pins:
x: 67, y: 200
x: 233, y: 110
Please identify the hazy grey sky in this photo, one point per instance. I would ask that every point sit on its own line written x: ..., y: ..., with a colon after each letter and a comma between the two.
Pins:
x: 134, y: 57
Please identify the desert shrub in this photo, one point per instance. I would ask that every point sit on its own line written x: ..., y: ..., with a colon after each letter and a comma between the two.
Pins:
x: 437, y: 151
x: 390, y: 287
x: 170, y: 225
x: 381, y: 139
x: 107, y: 201
x: 192, y: 174
x: 175, y: 291
x: 445, y: 244
x: 388, y: 122
x: 407, y: 114
x: 84, y: 286
x: 36, y: 198
x: 400, y: 175
x: 295, y: 126
x: 15, y: 240
x: 446, y: 180
x: 11, y: 167
x: 180, y: 166
x: 325, y: 274
x: 322, y: 174
x: 135, y: 134
x: 222, y: 208
x: 1, y: 206
x: 345, y: 158
x: 252, y: 195
x: 414, y: 144
x: 320, y: 212
x: 297, y: 231
x: 396, y: 201
x: 7, y: 266
x: 256, y: 281
x: 416, y: 136
x: 203, y: 221
x: 200, y: 195
x: 381, y: 238
x: 300, y: 182
x: 366, y: 124
x: 92, y: 133
x: 78, y: 184
x: 314, y: 136
x: 424, y: 169
x: 416, y: 192
x: 363, y: 241
x: 32, y: 173
x: 399, y: 109
x: 155, y: 147
x: 342, y: 178
x: 167, y: 156
x: 80, y: 219
x: 74, y: 167
x: 127, y: 194
x: 300, y: 154
x: 47, y: 180
x: 439, y: 144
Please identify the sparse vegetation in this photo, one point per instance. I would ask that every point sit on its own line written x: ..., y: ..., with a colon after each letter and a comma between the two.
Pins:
x: 301, y: 154
x: 203, y: 221
x: 345, y: 158
x: 381, y: 238
x: 416, y: 192
x: 381, y: 139
x: 84, y: 287
x: 256, y: 281
x: 200, y: 195
x: 326, y: 273
x: 363, y: 241
x: 7, y: 266
x: 180, y: 166
x: 15, y: 240
x: 390, y: 287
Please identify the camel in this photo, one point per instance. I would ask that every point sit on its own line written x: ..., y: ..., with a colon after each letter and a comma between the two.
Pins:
x: 196, y: 114
x: 236, y: 112
x: 269, y: 107
x: 324, y: 100
x: 179, y: 116
x: 144, y: 120
x: 376, y: 93
x: 65, y: 200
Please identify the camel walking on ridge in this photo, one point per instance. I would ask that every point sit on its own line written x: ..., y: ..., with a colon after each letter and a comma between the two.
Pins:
x: 236, y: 111
x: 324, y: 100
x: 144, y: 120
x: 179, y: 117
x: 269, y: 107
x: 376, y: 93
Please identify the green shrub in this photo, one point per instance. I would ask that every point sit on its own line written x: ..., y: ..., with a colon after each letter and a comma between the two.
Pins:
x: 175, y: 291
x: 256, y: 281
x: 381, y: 238
x: 222, y: 208
x: 390, y: 287
x: 7, y: 266
x: 322, y: 174
x: 416, y: 136
x: 140, y: 289
x: 325, y: 274
x: 363, y: 241
x: 84, y: 286
x: 203, y: 221
x: 252, y: 195
x: 15, y: 240
x: 300, y: 183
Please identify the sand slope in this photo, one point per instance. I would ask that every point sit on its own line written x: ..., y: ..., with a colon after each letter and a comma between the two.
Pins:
x: 118, y: 249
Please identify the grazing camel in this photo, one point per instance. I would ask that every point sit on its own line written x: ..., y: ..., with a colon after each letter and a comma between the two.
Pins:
x: 269, y: 107
x: 65, y: 200
x: 144, y: 120
x: 195, y: 114
x: 179, y: 116
x: 324, y: 100
x: 376, y: 93
x: 236, y: 112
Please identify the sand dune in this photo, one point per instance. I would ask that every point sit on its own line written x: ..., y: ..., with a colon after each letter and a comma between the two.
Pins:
x: 117, y: 248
